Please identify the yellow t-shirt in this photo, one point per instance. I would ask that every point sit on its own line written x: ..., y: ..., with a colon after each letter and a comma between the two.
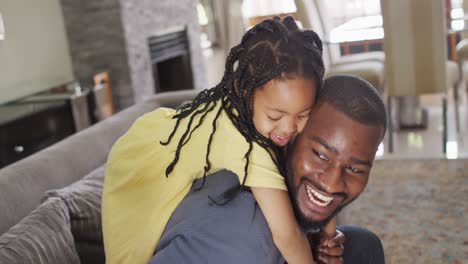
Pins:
x: 138, y: 198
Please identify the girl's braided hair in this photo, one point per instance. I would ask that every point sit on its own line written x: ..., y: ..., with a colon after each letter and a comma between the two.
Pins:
x: 274, y: 48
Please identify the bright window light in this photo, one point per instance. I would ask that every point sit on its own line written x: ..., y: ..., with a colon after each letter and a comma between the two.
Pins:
x: 456, y: 13
x: 452, y: 149
x: 415, y: 140
x: 361, y: 28
x: 380, y: 150
x: 458, y: 25
x: 2, y: 28
x: 252, y: 8
x: 202, y: 18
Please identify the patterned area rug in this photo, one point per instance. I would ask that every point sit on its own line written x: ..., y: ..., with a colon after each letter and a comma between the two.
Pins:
x: 418, y: 208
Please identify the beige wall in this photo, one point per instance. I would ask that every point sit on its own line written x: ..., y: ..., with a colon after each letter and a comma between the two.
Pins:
x: 34, y: 55
x: 415, y: 47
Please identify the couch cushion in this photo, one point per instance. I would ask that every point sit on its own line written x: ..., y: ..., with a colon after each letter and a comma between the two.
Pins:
x: 83, y: 199
x: 43, y: 236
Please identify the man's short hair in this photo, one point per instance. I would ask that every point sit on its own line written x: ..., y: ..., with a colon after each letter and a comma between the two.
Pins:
x: 354, y: 97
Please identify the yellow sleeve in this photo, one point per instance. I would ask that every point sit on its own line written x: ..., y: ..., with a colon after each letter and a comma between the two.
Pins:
x: 262, y: 171
x: 135, y: 189
x: 138, y: 147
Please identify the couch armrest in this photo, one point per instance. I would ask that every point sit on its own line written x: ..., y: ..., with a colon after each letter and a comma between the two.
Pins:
x: 173, y: 99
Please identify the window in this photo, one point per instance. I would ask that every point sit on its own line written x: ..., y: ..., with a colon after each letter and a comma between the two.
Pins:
x: 341, y: 11
x: 253, y: 8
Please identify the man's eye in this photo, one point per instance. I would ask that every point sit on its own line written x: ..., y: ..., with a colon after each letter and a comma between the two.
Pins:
x: 320, y: 155
x: 354, y: 170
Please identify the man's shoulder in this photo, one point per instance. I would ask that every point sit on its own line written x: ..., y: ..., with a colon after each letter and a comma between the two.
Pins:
x: 201, y: 231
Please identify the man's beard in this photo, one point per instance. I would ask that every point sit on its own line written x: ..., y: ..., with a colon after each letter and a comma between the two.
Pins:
x: 308, y: 225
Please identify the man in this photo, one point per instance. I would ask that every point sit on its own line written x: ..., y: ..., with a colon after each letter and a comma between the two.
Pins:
x: 328, y: 167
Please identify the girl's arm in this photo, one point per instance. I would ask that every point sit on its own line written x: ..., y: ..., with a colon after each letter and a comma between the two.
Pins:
x: 287, y: 235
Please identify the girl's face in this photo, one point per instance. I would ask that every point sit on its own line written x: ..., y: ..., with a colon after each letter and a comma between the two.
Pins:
x: 281, y: 108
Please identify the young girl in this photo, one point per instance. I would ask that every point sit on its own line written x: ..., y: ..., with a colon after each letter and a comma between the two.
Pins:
x: 262, y: 102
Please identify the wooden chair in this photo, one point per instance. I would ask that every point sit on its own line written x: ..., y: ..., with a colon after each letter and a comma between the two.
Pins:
x: 104, y: 104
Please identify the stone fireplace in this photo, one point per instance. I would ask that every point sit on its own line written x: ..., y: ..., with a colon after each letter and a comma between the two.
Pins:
x: 170, y: 60
x: 115, y: 35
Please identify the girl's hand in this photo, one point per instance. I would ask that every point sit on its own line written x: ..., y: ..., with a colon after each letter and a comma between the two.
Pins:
x: 330, y: 250
x: 327, y: 245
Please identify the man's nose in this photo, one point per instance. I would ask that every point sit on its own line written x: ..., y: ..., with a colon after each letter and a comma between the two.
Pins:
x: 332, y: 179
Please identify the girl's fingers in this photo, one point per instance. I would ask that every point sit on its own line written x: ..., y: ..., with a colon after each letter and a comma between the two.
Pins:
x: 338, y: 239
x: 333, y: 252
x: 323, y: 259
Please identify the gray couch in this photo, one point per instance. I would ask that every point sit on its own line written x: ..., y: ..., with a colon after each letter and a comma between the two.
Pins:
x: 23, y: 185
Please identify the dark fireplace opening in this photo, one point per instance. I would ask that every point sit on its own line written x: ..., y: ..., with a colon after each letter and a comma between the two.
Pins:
x: 170, y: 59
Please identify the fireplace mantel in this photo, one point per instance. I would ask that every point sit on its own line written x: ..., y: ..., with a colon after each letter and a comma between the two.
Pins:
x: 112, y: 35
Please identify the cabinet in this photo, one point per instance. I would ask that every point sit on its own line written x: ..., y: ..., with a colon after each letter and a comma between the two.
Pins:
x: 38, y: 121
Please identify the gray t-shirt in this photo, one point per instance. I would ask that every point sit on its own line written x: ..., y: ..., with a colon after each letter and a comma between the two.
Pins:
x: 200, y: 231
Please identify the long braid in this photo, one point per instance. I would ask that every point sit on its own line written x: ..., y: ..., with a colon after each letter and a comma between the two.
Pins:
x: 208, y: 148
x: 200, y: 121
x: 247, y: 159
x: 273, y: 49
x: 181, y: 141
x: 207, y: 94
x: 172, y: 133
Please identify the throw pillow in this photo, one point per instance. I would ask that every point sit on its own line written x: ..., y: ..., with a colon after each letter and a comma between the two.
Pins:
x: 43, y: 237
x: 83, y: 199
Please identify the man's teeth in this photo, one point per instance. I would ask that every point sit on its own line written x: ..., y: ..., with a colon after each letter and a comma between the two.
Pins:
x: 311, y: 193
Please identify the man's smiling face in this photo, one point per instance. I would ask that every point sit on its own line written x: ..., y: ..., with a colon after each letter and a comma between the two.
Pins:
x: 329, y: 164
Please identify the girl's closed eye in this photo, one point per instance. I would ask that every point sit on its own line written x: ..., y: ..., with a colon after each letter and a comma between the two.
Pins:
x: 274, y: 118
